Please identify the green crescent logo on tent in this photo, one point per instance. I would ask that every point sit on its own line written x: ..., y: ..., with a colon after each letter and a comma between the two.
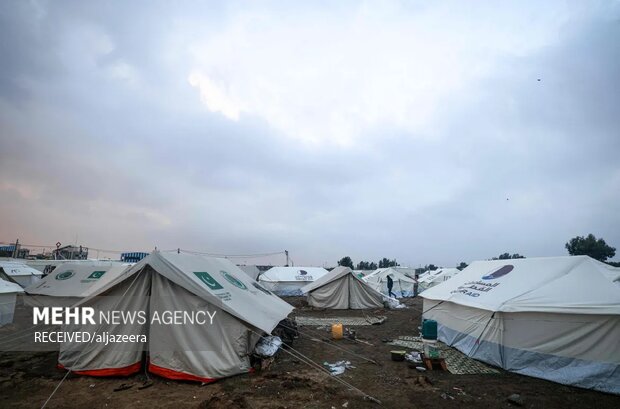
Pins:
x: 96, y: 275
x: 208, y: 280
x: 64, y: 275
x: 233, y: 280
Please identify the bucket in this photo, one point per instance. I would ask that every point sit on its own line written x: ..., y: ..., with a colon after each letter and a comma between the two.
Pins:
x: 337, y: 331
x: 429, y: 329
x: 430, y: 348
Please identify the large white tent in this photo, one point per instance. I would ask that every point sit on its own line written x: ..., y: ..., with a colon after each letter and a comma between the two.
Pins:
x: 404, y: 280
x: 70, y: 282
x: 436, y: 277
x: 251, y: 271
x: 8, y: 297
x: 19, y: 273
x: 188, y: 283
x: 342, y: 289
x: 288, y: 281
x: 555, y: 318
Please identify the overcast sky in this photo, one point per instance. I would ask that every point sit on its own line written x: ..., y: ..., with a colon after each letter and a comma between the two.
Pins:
x: 430, y: 132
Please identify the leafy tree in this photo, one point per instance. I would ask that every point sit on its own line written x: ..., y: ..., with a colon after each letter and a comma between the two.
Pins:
x: 462, y: 265
x: 613, y: 263
x: 507, y: 256
x: 366, y: 265
x: 431, y: 267
x: 346, y: 262
x: 385, y: 262
x: 590, y: 246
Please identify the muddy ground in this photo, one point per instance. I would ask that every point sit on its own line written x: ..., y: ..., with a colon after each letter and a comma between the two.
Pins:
x: 28, y: 379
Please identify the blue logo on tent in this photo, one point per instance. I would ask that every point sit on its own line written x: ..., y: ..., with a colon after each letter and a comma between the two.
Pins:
x: 502, y: 271
x: 303, y: 272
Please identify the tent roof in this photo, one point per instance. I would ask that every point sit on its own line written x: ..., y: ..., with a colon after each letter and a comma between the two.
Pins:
x: 77, y: 279
x: 293, y: 274
x: 403, y: 274
x: 335, y: 274
x: 8, y: 287
x: 14, y: 269
x: 577, y: 284
x: 217, y: 281
x: 438, y: 275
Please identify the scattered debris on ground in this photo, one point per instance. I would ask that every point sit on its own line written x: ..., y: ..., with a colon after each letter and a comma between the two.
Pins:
x: 457, y: 362
x: 351, y: 321
x: 339, y: 367
x: 516, y: 399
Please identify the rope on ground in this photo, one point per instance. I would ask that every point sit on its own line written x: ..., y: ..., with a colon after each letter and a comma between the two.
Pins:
x: 308, y: 361
x: 317, y: 331
x: 333, y: 345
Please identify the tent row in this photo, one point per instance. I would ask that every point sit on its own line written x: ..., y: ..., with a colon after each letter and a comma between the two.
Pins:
x: 289, y: 281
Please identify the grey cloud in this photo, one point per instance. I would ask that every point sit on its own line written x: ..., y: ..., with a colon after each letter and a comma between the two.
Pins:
x: 139, y: 166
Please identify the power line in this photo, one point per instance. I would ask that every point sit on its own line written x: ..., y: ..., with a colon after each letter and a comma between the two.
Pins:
x: 255, y: 255
x: 251, y: 255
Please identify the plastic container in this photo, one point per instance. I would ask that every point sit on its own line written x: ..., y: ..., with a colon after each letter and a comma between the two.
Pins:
x: 337, y: 331
x: 430, y: 348
x: 429, y: 329
x: 398, y: 356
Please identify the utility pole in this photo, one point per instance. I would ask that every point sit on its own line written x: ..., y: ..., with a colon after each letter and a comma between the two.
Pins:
x: 16, y: 249
x: 286, y: 252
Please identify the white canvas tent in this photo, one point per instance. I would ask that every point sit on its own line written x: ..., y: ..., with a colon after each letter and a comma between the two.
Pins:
x: 404, y: 280
x: 188, y: 283
x: 555, y: 318
x: 288, y: 281
x: 436, y: 277
x: 8, y: 297
x: 19, y: 273
x: 70, y: 282
x: 251, y: 271
x: 342, y: 289
x: 362, y: 273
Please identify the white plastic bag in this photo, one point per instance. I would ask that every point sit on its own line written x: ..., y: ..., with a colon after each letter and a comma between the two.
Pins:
x: 268, y: 346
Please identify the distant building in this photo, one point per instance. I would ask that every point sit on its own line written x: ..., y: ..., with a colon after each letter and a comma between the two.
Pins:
x: 133, y: 257
x: 9, y: 251
x: 71, y: 253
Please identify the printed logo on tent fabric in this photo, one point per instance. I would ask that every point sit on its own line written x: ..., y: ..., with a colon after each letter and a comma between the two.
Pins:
x: 500, y: 272
x: 233, y: 280
x: 65, y: 275
x: 208, y: 280
x: 96, y: 275
x: 303, y: 276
